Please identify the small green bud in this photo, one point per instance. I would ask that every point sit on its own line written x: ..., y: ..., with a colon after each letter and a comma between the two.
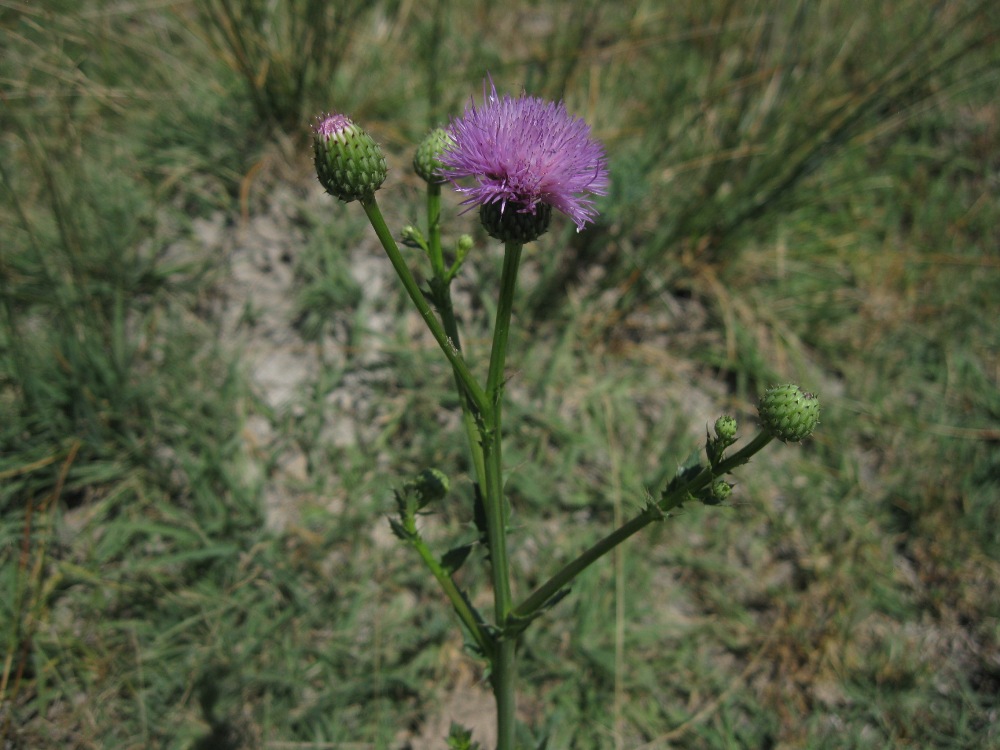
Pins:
x: 349, y: 164
x: 430, y: 485
x: 725, y: 429
x: 427, y: 159
x: 788, y: 412
x: 464, y: 245
x: 412, y: 237
x: 719, y: 492
x: 508, y: 224
x: 462, y: 248
x: 460, y: 738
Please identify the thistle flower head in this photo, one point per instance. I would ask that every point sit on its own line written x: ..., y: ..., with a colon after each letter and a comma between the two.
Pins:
x: 349, y: 164
x: 524, y: 153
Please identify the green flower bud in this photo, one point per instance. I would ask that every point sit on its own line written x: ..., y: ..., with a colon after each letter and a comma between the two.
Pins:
x: 427, y: 159
x: 430, y: 485
x: 349, y: 164
x: 460, y: 738
x: 507, y: 224
x: 719, y: 492
x: 412, y: 237
x: 788, y: 412
x: 725, y: 429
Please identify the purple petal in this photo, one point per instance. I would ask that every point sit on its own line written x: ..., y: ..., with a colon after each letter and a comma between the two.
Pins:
x: 526, y: 151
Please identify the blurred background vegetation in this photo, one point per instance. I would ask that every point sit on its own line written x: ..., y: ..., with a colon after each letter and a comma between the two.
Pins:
x: 800, y: 191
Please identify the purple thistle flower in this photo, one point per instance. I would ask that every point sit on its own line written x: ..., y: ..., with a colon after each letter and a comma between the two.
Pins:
x: 526, y: 152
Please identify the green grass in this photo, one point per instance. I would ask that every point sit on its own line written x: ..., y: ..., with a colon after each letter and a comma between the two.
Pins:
x: 799, y: 193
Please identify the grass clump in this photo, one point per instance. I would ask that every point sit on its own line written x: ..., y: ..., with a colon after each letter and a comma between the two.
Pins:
x: 288, y: 54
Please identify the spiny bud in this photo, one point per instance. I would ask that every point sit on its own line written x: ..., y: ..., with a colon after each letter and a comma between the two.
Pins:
x: 349, y: 164
x: 725, y: 429
x: 508, y: 224
x: 788, y: 412
x: 719, y: 492
x: 427, y: 159
x: 430, y: 485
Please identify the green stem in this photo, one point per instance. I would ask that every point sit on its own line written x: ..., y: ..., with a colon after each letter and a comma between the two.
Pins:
x: 468, y: 382
x: 434, y: 229
x: 458, y: 601
x: 503, y: 679
x: 540, y: 596
x: 501, y: 329
x: 670, y: 500
x: 442, y: 292
x: 496, y: 507
x: 495, y: 503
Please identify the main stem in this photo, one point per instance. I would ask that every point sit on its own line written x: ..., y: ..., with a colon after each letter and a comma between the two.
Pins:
x: 504, y: 674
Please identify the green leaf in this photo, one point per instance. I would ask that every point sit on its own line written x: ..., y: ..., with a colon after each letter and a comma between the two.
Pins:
x: 454, y: 558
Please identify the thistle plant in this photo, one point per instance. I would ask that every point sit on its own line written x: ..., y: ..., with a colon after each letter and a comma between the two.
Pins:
x: 515, y: 159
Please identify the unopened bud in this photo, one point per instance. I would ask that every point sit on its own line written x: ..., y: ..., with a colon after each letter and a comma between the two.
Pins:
x: 788, y: 412
x: 427, y: 159
x: 411, y: 236
x: 719, y: 492
x: 464, y: 245
x: 725, y: 429
x: 349, y: 164
x: 430, y: 485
